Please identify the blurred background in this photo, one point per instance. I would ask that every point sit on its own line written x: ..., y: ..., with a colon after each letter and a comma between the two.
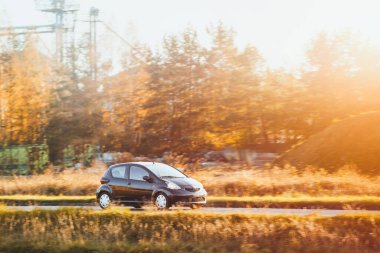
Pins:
x: 247, y: 82
x: 272, y: 105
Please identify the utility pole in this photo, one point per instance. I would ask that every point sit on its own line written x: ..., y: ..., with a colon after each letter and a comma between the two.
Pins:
x: 58, y: 7
x: 94, y: 13
x: 64, y: 11
x: 63, y: 27
x: 2, y: 102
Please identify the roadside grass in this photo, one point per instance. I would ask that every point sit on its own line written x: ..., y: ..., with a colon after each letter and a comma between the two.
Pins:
x: 47, y: 198
x: 286, y: 181
x: 310, y: 202
x: 78, y: 182
x: 219, y: 181
x: 73, y: 230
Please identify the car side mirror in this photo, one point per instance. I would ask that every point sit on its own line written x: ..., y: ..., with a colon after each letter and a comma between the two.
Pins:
x: 148, y: 179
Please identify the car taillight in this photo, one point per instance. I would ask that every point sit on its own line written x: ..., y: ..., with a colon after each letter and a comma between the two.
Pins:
x: 104, y: 180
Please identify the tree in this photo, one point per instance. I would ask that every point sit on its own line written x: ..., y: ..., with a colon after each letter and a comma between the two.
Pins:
x: 328, y: 79
x: 122, y: 105
x: 175, y: 102
x: 232, y: 85
x: 25, y: 96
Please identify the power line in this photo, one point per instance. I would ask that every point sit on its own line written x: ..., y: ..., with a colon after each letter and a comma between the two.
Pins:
x: 123, y: 39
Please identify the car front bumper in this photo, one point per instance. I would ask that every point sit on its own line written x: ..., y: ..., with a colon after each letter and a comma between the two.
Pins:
x: 183, y: 197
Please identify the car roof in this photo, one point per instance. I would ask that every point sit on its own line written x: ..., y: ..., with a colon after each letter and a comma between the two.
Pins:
x: 136, y: 163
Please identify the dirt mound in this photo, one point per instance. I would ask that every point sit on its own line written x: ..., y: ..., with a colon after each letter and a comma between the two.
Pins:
x: 353, y: 141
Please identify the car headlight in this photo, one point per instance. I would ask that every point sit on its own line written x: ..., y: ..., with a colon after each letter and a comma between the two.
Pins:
x: 173, y: 186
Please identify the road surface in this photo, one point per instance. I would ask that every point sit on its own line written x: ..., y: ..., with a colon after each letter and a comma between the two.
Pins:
x: 269, y: 211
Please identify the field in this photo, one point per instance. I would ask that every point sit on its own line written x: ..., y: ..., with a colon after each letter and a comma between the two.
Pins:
x: 228, y: 186
x: 219, y: 181
x: 286, y: 182
x: 70, y: 230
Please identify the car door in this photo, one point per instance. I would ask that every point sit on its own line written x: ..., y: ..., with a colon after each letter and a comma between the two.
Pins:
x: 119, y: 182
x: 139, y: 189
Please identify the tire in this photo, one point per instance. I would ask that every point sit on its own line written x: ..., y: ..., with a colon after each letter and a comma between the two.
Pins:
x: 195, y: 206
x: 104, y: 200
x: 137, y: 206
x: 161, y: 201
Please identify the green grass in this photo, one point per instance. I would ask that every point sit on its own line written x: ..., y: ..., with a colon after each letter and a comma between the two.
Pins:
x: 73, y: 230
x: 326, y: 202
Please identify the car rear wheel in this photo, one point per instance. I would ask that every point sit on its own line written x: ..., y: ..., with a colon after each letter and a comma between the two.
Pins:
x: 162, y: 202
x: 104, y: 200
x: 137, y: 206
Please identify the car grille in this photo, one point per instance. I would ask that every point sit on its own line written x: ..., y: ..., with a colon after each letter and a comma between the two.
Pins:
x: 191, y: 189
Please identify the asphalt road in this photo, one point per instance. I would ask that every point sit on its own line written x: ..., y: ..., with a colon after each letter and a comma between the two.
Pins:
x: 268, y: 211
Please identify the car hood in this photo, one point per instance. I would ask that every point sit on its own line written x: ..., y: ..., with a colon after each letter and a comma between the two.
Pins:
x: 185, y: 181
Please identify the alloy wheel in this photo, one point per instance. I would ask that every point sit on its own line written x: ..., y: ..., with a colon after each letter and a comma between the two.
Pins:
x: 104, y: 200
x: 161, y: 201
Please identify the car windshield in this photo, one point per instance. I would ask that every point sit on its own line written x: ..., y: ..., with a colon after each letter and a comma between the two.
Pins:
x: 163, y: 170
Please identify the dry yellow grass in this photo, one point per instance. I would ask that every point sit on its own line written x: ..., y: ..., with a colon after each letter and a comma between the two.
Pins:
x: 71, y: 230
x: 217, y: 180
x: 79, y: 182
x: 286, y: 181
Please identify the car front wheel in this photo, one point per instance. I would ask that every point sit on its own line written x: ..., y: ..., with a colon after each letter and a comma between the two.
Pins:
x: 162, y: 202
x: 104, y: 200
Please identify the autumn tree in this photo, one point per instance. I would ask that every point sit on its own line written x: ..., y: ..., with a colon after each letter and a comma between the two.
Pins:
x: 231, y: 87
x: 123, y: 99
x: 329, y: 79
x: 25, y: 95
x: 176, y: 102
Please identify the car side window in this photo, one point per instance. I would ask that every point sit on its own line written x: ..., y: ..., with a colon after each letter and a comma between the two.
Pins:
x: 118, y: 172
x: 137, y: 173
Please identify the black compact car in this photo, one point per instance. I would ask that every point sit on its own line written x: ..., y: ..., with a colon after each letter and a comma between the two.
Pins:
x: 138, y: 183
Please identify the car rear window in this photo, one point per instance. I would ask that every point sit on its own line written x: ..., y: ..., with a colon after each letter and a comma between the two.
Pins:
x: 118, y: 172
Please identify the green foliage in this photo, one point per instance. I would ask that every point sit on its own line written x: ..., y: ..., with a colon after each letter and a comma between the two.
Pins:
x: 24, y: 159
x: 84, y: 154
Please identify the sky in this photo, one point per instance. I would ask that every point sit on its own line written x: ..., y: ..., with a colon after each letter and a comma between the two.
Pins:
x: 280, y: 29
